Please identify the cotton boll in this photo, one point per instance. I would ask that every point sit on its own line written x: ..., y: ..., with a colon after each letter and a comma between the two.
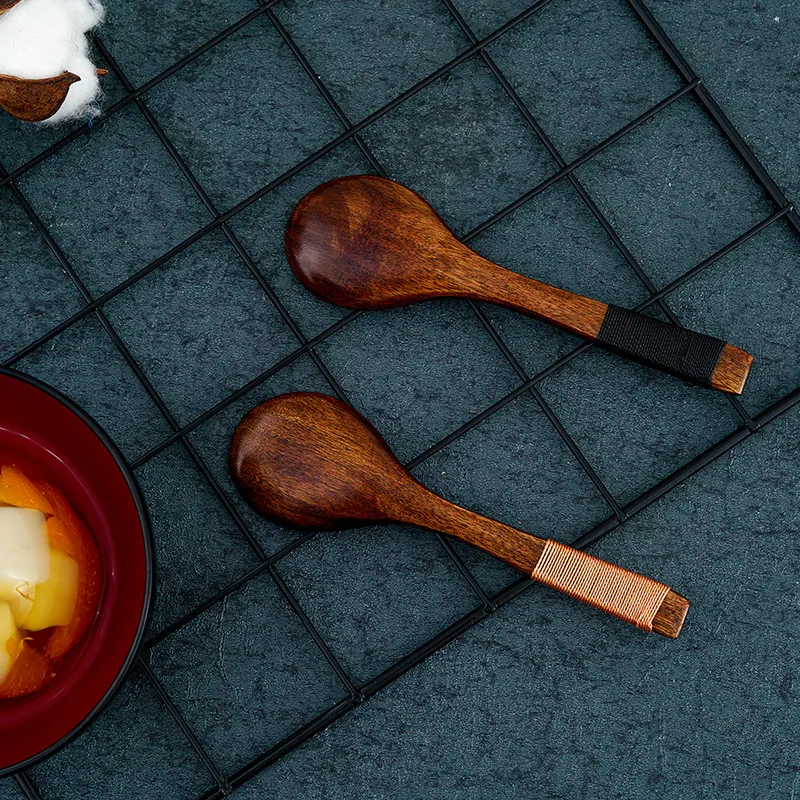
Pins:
x: 81, y: 95
x: 43, y: 38
x: 36, y: 39
x: 86, y: 14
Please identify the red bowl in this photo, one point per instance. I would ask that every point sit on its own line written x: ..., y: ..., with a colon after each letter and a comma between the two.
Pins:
x: 49, y: 436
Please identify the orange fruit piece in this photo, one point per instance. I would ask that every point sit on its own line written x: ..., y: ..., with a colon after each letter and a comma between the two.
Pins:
x: 68, y: 533
x: 31, y: 672
x: 59, y: 537
x: 17, y: 490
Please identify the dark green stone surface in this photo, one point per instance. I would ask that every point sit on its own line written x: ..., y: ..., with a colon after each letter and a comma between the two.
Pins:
x: 545, y: 698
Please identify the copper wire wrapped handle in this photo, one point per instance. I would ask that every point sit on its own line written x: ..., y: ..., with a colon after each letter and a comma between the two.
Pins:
x: 617, y: 591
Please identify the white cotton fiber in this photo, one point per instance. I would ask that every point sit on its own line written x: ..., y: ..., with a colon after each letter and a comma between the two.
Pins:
x: 43, y: 38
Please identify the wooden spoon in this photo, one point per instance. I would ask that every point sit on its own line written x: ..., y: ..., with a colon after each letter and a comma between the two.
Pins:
x: 34, y: 100
x: 367, y: 242
x: 308, y: 460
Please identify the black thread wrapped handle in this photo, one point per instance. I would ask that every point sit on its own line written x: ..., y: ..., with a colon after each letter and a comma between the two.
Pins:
x: 685, y: 353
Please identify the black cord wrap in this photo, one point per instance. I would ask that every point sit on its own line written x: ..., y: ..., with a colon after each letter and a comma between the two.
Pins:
x: 690, y: 355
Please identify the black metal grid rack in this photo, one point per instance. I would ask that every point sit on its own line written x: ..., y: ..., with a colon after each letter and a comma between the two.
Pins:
x: 268, y: 561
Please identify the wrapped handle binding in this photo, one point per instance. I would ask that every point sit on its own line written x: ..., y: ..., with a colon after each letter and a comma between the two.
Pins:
x: 694, y: 356
x: 624, y: 594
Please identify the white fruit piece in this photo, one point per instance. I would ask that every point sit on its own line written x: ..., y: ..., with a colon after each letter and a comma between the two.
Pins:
x: 55, y: 599
x: 10, y: 641
x: 24, y: 556
x: 22, y: 603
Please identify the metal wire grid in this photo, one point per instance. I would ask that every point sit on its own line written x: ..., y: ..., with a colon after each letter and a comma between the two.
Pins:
x: 268, y: 563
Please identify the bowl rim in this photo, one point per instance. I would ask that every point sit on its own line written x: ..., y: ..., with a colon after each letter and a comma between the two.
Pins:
x: 149, y: 555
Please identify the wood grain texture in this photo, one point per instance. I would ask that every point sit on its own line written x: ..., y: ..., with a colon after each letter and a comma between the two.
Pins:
x: 732, y: 370
x: 365, y: 242
x: 369, y: 243
x: 34, y: 100
x: 308, y: 460
x: 671, y: 615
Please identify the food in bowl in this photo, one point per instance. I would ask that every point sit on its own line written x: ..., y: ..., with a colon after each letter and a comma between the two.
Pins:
x: 51, y: 440
x: 50, y: 581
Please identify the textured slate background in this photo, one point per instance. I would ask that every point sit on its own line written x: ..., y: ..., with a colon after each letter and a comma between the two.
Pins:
x: 546, y: 698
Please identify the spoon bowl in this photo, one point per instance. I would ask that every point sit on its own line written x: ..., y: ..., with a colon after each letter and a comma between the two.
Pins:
x: 341, y: 473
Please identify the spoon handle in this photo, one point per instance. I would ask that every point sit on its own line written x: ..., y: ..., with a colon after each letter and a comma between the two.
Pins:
x: 634, y: 598
x: 693, y: 356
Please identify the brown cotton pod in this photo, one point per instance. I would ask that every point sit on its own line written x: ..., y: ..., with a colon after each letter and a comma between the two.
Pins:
x: 6, y: 4
x: 34, y: 100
